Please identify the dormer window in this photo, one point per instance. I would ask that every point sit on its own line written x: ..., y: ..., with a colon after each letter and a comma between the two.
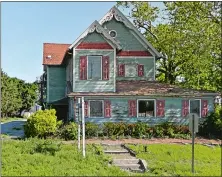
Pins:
x: 113, y: 33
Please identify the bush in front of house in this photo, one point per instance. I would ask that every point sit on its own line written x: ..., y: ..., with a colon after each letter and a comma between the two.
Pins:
x: 212, y: 126
x: 92, y: 130
x: 41, y: 124
x: 68, y: 131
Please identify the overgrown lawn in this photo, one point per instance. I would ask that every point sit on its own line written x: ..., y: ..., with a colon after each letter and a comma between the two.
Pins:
x: 175, y: 160
x: 34, y: 158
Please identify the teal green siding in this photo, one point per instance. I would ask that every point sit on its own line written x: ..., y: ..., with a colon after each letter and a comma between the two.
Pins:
x: 149, y: 68
x: 56, y: 83
x: 127, y: 40
x: 94, y: 86
x: 173, y: 109
x: 94, y: 37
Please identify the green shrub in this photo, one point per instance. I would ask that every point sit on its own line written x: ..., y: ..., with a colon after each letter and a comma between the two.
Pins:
x: 212, y: 126
x: 140, y: 129
x: 159, y: 131
x: 109, y: 129
x: 68, y: 131
x: 41, y: 124
x: 91, y: 130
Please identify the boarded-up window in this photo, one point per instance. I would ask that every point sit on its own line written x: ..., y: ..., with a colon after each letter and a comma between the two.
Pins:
x: 121, y: 70
x: 83, y: 68
x: 96, y: 109
x: 94, y: 67
x: 140, y: 69
x: 146, y: 108
x: 105, y: 67
x: 185, y: 108
x: 204, y: 110
x: 160, y: 108
x: 107, y: 105
x: 132, y: 108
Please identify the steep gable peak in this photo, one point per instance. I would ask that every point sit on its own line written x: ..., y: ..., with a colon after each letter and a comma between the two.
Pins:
x: 115, y: 13
x: 96, y: 27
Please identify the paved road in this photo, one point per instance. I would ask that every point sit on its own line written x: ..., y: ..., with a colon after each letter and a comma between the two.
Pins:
x: 13, y: 129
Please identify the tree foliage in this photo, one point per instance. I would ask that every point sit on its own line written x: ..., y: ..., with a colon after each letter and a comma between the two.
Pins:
x: 188, y: 34
x: 16, y: 95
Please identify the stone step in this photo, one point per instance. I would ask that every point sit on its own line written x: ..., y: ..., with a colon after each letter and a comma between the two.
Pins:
x: 125, y: 161
x: 122, y: 156
x: 131, y: 167
x: 123, y: 151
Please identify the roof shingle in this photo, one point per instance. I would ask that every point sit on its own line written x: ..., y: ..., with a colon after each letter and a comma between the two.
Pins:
x: 146, y: 88
x: 56, y: 51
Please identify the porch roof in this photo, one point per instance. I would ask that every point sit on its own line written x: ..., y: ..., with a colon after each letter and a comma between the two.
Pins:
x: 147, y: 88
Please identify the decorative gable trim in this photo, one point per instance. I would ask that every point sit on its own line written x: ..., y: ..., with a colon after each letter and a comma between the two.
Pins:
x: 92, y: 45
x: 96, y: 27
x: 119, y: 16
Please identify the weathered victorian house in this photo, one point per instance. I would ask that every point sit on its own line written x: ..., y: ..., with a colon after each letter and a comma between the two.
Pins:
x: 112, y: 66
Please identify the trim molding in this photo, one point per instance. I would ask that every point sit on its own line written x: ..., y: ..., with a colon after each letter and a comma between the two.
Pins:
x: 93, y: 45
x: 134, y: 53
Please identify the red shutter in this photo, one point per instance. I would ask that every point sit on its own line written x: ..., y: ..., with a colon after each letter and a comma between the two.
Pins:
x: 140, y: 69
x: 185, y: 108
x: 107, y: 105
x: 132, y: 108
x: 160, y: 108
x: 105, y: 67
x: 121, y: 70
x: 204, y: 106
x: 83, y: 68
x: 86, y: 108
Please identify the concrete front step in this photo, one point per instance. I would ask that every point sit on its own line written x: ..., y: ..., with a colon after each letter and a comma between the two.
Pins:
x: 125, y: 161
x: 131, y: 167
x: 122, y: 156
x: 123, y: 151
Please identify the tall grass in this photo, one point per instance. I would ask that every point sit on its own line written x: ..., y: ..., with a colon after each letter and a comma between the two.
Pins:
x: 21, y: 158
x: 175, y: 160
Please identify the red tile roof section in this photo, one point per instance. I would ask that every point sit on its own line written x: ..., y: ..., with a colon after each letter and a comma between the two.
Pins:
x: 57, y: 52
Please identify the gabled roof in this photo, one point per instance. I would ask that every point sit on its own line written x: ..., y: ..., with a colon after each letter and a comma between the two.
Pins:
x: 148, y: 88
x: 53, y: 53
x: 114, y: 12
x: 95, y: 26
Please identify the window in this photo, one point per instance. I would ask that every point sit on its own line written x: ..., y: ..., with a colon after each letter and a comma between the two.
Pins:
x: 195, y: 106
x: 146, y: 108
x: 94, y: 67
x: 113, y: 33
x: 96, y: 108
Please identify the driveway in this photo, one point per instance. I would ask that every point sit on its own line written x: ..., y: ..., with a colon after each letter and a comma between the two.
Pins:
x: 14, y: 129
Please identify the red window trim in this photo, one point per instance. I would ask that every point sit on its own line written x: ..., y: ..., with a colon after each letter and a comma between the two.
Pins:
x: 83, y: 68
x: 134, y: 53
x: 185, y: 108
x: 160, y: 111
x: 121, y: 70
x: 105, y: 67
x: 107, y: 108
x: 86, y: 108
x: 204, y: 108
x: 132, y: 108
x: 93, y: 45
x: 140, y: 69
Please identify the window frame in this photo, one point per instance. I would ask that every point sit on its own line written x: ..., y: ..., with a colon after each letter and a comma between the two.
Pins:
x: 146, y: 100
x: 199, y: 107
x: 89, y: 112
x: 101, y: 60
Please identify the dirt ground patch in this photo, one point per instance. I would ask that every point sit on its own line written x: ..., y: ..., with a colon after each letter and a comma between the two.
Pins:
x: 152, y: 141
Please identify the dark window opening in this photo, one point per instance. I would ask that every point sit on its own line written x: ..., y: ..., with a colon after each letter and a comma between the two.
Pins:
x: 146, y: 108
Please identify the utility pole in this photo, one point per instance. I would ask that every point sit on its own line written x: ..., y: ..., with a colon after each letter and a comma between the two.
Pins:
x: 79, y: 122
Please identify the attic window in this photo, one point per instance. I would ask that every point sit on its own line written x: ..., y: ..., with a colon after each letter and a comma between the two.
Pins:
x: 113, y: 33
x: 49, y: 57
